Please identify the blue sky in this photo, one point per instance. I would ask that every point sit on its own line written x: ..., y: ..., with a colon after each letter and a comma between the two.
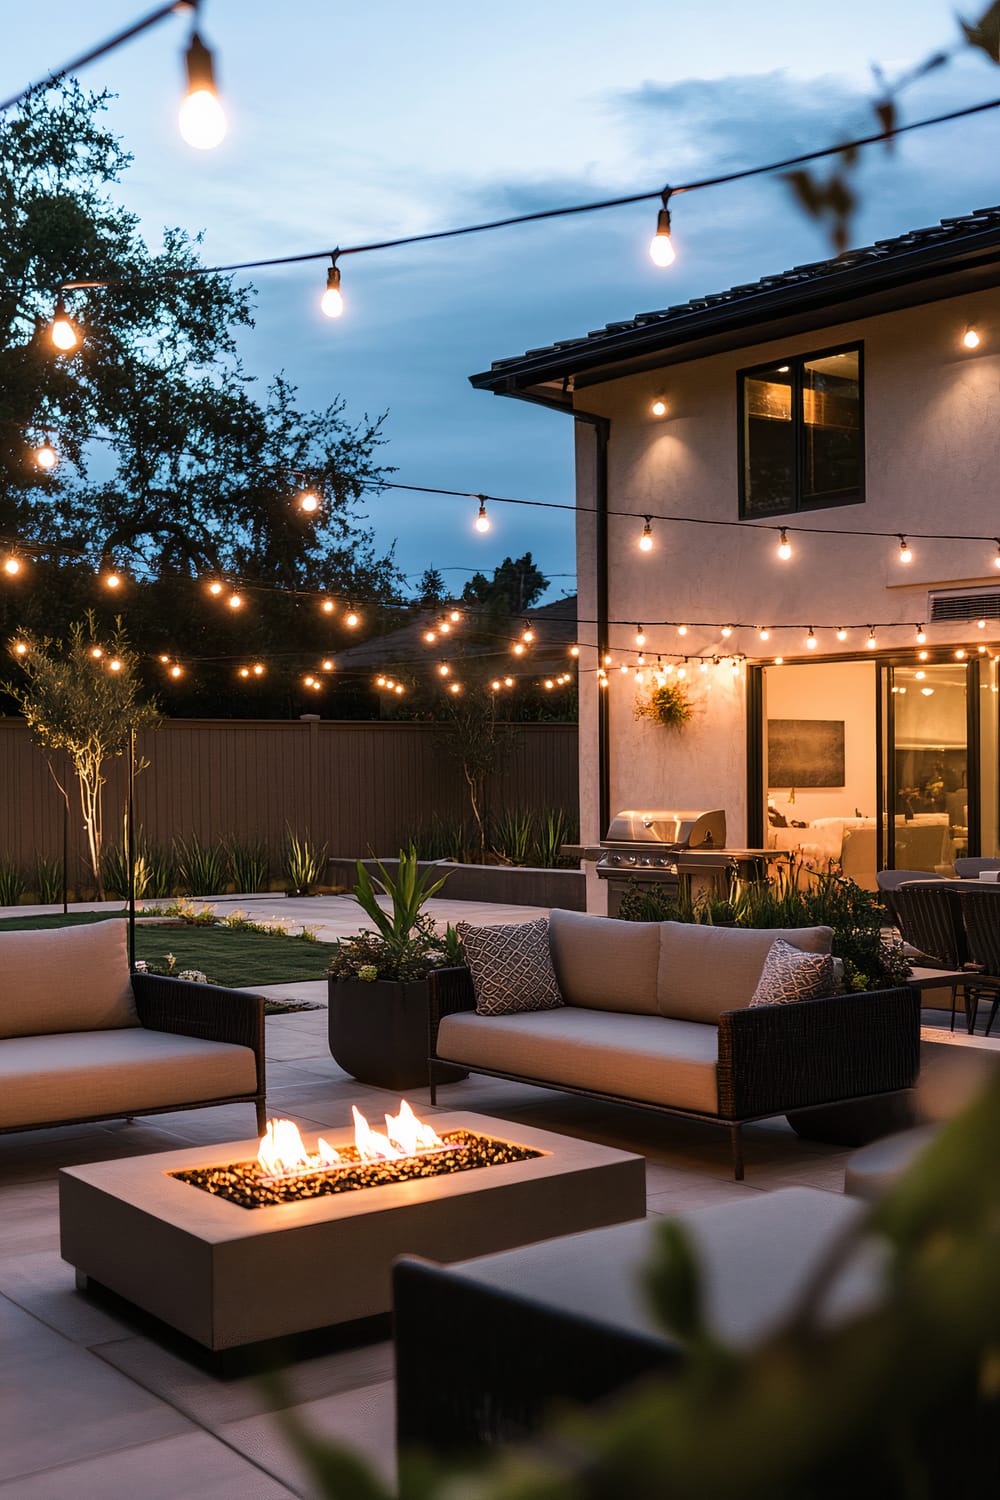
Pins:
x: 360, y: 122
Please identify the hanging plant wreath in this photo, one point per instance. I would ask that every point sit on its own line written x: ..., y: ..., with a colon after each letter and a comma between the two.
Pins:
x: 668, y: 705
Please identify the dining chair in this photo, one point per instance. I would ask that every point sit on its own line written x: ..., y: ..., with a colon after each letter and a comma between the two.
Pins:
x: 930, y: 920
x: 981, y: 912
x: 889, y: 881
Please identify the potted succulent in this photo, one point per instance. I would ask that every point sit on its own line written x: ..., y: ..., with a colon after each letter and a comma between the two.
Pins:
x: 377, y: 981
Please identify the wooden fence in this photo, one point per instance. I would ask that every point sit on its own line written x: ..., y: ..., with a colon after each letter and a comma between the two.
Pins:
x: 357, y: 786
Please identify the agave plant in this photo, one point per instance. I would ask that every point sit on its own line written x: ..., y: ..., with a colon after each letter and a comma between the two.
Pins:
x: 407, y: 893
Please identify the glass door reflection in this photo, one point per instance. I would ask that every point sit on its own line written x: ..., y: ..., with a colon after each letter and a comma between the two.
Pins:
x: 927, y: 766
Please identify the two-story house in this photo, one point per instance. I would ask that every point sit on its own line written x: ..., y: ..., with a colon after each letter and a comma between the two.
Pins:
x: 792, y: 488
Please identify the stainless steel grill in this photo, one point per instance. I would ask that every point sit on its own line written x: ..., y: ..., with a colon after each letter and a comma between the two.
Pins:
x: 645, y: 847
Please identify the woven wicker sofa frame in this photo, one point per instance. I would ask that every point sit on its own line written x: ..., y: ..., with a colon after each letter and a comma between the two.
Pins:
x: 186, y: 1008
x: 775, y: 1059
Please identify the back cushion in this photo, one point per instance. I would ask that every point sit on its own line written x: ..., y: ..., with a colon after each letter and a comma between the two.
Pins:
x: 604, y: 964
x: 65, y: 979
x: 706, y: 970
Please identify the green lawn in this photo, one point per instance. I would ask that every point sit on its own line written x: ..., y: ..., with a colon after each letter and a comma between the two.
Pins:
x: 233, y: 958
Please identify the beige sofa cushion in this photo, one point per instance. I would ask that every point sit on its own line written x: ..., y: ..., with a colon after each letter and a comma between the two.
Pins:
x: 604, y: 964
x: 65, y: 979
x: 707, y: 970
x: 633, y: 1057
x: 74, y: 1075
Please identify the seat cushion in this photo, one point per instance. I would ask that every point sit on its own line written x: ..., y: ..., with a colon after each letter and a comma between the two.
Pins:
x: 65, y: 979
x: 75, y: 1075
x: 604, y: 964
x: 707, y: 970
x: 644, y: 1058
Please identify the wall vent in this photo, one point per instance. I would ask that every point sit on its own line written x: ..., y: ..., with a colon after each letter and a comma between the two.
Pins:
x: 967, y: 604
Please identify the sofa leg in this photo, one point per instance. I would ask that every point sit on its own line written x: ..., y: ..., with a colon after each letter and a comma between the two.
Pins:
x: 736, y: 1142
x: 432, y: 1081
x: 261, y: 1107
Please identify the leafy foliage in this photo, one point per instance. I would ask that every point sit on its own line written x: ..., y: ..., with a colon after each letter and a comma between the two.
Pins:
x: 668, y: 705
x: 82, y: 697
x: 201, y: 867
x: 11, y: 883
x: 406, y: 945
x: 249, y: 865
x: 305, y: 861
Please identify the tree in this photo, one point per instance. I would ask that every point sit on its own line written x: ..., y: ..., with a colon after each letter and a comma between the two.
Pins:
x: 83, y: 697
x: 514, y: 587
x: 430, y: 589
x: 169, y: 462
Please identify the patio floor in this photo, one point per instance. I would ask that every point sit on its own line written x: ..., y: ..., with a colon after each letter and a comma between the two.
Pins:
x: 97, y: 1407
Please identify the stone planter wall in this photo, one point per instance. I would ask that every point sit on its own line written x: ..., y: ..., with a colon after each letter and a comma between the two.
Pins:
x: 506, y: 885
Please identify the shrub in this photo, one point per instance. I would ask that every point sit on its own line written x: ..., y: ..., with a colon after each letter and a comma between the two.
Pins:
x: 304, y: 861
x: 48, y: 880
x: 249, y: 865
x: 11, y: 883
x: 201, y: 867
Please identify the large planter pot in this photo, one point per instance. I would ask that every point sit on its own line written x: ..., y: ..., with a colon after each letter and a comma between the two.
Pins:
x: 378, y: 1033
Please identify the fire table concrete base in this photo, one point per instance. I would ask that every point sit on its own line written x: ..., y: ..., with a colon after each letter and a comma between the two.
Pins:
x: 228, y: 1276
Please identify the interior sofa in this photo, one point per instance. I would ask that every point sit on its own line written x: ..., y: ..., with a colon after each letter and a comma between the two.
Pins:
x: 658, y: 1015
x: 82, y: 1039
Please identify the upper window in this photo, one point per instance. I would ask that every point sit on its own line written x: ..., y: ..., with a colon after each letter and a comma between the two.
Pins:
x: 801, y: 434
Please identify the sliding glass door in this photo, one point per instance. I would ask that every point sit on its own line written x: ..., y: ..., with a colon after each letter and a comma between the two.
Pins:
x: 930, y: 787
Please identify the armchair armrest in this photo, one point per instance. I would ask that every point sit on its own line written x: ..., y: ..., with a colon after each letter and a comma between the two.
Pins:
x: 448, y: 991
x: 784, y: 1057
x: 188, y: 1008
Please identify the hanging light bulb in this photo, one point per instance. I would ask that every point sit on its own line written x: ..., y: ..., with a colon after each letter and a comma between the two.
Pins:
x: 779, y: 661
x: 444, y: 628
x: 258, y: 670
x: 244, y: 671
x: 508, y: 682
x: 45, y: 456
x: 682, y: 630
x: 921, y: 635
x: 646, y: 540
x: 455, y: 616
x: 61, y: 330
x: 527, y: 634
x: 430, y: 636
x: 111, y: 579
x: 482, y: 522
x: 454, y: 687
x: 11, y: 566
x: 444, y: 669
x: 764, y: 633
x: 811, y: 641
x: 351, y: 618
x: 784, y: 546
x: 215, y: 587
x: 380, y: 682
x: 970, y: 338
x: 235, y: 601
x: 905, y: 555
x: 841, y: 634
x: 518, y: 648
x: 727, y: 631
x: 996, y: 559
x: 308, y: 502
x: 981, y: 624
x: 682, y: 671
x: 607, y: 658
x: 922, y: 655
x: 641, y: 659
x: 309, y: 681
x: 661, y: 250
x: 549, y: 684
x: 332, y: 300
x: 328, y: 665
x: 328, y: 606
x: 399, y: 688
x: 176, y: 670
x: 624, y: 669
x: 574, y: 650
x: 640, y: 636
x: 870, y: 642
x: 202, y: 120
x: 96, y: 652
x: 960, y: 654
x: 495, y: 685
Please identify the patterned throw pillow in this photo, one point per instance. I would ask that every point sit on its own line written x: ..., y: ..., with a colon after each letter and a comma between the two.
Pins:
x: 511, y: 967
x: 790, y: 975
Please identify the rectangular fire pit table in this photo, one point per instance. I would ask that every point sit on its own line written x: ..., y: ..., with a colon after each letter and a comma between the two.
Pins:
x: 228, y: 1276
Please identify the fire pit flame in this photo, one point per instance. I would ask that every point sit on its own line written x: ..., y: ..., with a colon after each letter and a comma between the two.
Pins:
x: 283, y: 1153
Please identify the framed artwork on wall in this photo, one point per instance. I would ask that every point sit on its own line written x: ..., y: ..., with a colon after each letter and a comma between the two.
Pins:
x: 805, y: 752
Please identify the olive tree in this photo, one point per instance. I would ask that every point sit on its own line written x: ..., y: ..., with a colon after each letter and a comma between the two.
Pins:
x: 83, y: 697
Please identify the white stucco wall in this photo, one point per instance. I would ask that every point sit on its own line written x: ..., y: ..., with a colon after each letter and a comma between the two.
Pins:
x: 932, y: 459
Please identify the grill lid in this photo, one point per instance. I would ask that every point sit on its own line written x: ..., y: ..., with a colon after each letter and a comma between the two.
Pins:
x: 687, y: 830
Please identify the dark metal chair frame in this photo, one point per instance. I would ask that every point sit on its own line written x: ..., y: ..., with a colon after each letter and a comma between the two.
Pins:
x: 981, y: 916
x: 186, y: 1008
x: 929, y: 914
x: 775, y: 1059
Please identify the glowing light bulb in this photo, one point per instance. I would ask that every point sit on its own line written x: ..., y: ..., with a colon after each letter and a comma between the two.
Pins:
x: 482, y: 522
x: 920, y: 675
x: 11, y: 566
x: 308, y: 502
x: 176, y: 671
x: 779, y: 661
x: 549, y: 684
x: 682, y: 671
x: 20, y: 648
x: 46, y: 456
x: 659, y: 408
x: 841, y: 634
x: 328, y: 606
x: 444, y: 669
x: 62, y: 331
x: 870, y: 642
x: 455, y: 616
x: 574, y: 651
x: 784, y: 546
x: 765, y: 634
x: 235, y: 601
x: 960, y: 654
x: 518, y: 648
x: 258, y: 670
x: 623, y: 669
x: 607, y: 658
x: 430, y: 636
x: 244, y: 671
x: 682, y: 630
x: 527, y: 634
x: 970, y: 338
x: 811, y: 641
x: 927, y: 692
x: 328, y: 665
x: 495, y: 685
x: 454, y: 687
x: 996, y: 560
x: 112, y: 581
x: 115, y: 664
x: 922, y: 655
x: 981, y: 624
x: 351, y: 620
x: 164, y: 659
x: 508, y: 682
x: 640, y: 636
x: 332, y: 300
x: 444, y: 628
x: 646, y: 540
x: 661, y: 250
x: 96, y: 652
x: 309, y: 681
x: 380, y: 682
x: 398, y: 688
x: 905, y: 554
x: 215, y: 588
x: 727, y: 631
x: 201, y: 119
x: 921, y: 635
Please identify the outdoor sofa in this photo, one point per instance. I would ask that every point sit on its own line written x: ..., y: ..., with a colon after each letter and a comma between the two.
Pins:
x: 82, y: 1039
x: 658, y: 1015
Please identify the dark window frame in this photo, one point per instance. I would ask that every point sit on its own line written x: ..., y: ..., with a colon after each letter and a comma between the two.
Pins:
x: 796, y: 363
